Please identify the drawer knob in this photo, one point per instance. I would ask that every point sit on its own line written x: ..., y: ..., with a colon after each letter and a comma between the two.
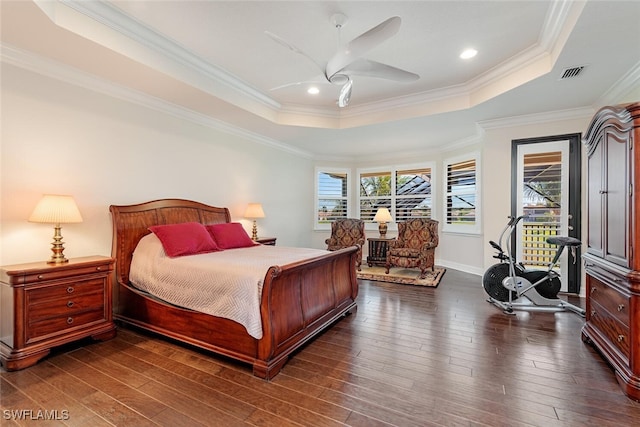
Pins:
x: 70, y: 321
x: 620, y: 307
x: 620, y: 338
x: 70, y: 290
x: 69, y: 304
x: 593, y: 313
x: 593, y: 290
x: 40, y: 276
x: 99, y: 268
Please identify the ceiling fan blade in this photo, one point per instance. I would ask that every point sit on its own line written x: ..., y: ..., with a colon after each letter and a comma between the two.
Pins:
x: 293, y: 48
x: 365, y: 67
x: 319, y: 82
x: 362, y: 44
x: 345, y: 94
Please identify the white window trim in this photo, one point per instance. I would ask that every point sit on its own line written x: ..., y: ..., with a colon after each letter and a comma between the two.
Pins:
x: 317, y: 171
x: 393, y: 169
x: 463, y: 229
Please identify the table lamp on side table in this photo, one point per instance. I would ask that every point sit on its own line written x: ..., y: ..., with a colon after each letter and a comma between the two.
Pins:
x: 382, y: 217
x: 56, y: 209
x: 254, y: 210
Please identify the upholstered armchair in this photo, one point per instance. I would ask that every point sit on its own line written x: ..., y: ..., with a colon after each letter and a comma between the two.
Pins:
x: 347, y: 232
x: 415, y: 245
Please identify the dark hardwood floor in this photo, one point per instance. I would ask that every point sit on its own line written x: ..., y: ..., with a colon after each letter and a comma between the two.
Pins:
x: 409, y: 356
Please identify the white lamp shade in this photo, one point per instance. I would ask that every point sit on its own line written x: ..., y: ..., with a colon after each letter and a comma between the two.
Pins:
x: 254, y: 210
x: 56, y: 209
x: 383, y: 215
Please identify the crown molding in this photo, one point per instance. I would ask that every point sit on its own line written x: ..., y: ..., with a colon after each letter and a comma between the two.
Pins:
x: 52, y: 69
x: 125, y: 35
x: 539, y: 118
x: 55, y: 70
x: 627, y: 83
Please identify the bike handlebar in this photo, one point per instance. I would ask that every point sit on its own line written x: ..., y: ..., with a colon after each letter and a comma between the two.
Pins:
x: 514, y: 220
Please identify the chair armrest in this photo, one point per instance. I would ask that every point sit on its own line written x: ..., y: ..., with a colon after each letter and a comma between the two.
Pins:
x: 429, y: 245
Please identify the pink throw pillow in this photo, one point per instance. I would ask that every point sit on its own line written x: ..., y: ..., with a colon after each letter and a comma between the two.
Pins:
x: 187, y: 238
x: 230, y: 235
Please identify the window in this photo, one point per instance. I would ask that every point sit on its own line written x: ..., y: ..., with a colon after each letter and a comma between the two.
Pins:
x: 406, y: 192
x: 332, y: 196
x: 413, y: 194
x: 375, y: 192
x: 462, y: 195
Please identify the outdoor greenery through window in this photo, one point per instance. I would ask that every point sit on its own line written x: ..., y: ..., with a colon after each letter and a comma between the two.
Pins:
x: 461, y: 195
x: 405, y: 192
x: 332, y: 193
x: 375, y: 193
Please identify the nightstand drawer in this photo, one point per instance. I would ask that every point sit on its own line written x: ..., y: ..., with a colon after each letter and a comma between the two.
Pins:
x: 66, y: 306
x: 64, y: 273
x: 615, y: 331
x: 43, y: 294
x: 61, y: 325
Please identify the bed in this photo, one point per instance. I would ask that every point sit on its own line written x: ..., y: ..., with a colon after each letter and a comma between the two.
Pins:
x: 298, y: 300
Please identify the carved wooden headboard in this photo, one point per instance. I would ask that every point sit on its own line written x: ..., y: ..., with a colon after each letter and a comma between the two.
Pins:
x: 131, y: 223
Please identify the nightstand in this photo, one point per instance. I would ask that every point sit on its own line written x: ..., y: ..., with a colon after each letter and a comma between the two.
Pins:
x: 45, y: 305
x: 271, y: 241
x: 378, y: 250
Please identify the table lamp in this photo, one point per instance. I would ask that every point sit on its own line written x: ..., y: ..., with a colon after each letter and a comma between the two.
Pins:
x: 254, y: 210
x: 382, y: 217
x: 56, y: 209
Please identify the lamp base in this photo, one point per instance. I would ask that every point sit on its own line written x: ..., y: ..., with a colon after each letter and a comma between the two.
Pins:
x: 57, y: 247
x: 382, y: 228
x: 254, y: 231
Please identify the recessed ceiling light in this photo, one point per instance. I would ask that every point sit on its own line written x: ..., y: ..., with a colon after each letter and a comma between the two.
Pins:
x: 468, y: 53
x: 313, y: 90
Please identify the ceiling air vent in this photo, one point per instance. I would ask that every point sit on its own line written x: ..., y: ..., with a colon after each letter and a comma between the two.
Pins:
x: 569, y: 73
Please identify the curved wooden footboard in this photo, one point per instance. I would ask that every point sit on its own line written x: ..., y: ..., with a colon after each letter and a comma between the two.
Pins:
x: 299, y: 300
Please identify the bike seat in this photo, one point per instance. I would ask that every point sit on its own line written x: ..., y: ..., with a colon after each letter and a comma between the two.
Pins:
x: 563, y: 241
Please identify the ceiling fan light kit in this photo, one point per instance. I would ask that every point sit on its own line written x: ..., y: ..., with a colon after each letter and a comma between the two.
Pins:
x: 347, y: 61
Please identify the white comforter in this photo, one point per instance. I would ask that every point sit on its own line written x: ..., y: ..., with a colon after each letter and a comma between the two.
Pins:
x: 225, y: 284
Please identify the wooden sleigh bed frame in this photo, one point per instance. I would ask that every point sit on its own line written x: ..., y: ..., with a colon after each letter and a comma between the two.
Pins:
x: 299, y: 300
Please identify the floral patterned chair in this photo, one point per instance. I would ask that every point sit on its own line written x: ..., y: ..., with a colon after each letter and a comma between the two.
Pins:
x: 347, y: 232
x: 415, y: 245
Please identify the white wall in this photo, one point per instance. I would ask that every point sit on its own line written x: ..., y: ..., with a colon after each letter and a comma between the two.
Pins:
x: 60, y: 138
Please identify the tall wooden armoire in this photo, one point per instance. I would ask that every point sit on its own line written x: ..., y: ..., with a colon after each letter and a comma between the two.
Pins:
x: 612, y: 261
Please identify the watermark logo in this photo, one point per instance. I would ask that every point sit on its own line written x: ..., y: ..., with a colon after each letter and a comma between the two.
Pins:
x: 37, y: 414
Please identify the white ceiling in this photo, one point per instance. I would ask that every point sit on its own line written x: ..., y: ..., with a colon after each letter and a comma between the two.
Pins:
x: 211, y: 61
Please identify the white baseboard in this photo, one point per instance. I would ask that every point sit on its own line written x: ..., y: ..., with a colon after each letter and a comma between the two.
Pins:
x: 461, y: 267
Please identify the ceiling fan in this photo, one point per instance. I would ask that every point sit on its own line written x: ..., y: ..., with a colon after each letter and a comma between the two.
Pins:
x: 348, y: 61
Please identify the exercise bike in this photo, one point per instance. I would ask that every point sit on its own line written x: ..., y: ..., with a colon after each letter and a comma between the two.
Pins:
x: 511, y: 286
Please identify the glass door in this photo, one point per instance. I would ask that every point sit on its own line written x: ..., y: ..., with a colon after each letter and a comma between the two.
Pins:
x: 543, y: 182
